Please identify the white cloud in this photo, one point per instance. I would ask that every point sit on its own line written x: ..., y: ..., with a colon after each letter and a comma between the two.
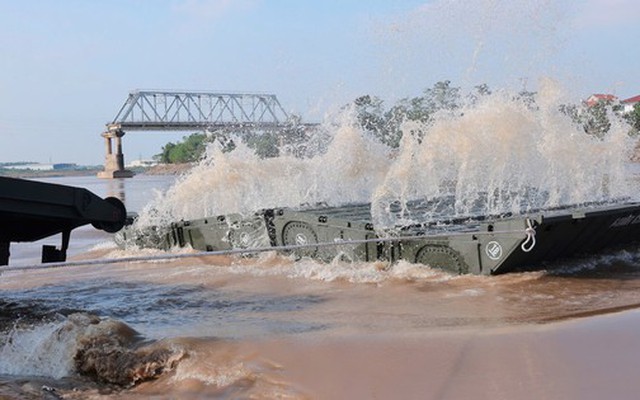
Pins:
x: 595, y: 14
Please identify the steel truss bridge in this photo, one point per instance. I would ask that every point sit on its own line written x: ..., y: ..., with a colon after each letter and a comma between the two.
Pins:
x: 155, y: 110
x: 150, y: 110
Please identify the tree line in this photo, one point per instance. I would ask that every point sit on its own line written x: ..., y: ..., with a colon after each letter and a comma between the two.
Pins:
x: 265, y: 143
x: 385, y: 123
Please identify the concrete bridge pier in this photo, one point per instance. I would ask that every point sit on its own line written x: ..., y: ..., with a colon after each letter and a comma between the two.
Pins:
x: 114, y: 163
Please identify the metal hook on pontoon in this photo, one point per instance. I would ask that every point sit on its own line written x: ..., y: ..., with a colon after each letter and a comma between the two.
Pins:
x: 530, y: 241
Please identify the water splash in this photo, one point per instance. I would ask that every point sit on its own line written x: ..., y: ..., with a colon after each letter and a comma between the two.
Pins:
x: 83, y: 344
x: 500, y: 155
x: 495, y: 155
x: 241, y: 182
x: 32, y: 351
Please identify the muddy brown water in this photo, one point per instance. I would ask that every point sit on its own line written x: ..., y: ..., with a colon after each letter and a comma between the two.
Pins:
x: 272, y: 327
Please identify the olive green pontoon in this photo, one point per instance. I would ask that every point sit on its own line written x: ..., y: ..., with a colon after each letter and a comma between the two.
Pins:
x: 478, y: 245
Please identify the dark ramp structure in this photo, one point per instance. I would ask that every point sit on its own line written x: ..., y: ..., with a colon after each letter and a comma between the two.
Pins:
x: 31, y: 211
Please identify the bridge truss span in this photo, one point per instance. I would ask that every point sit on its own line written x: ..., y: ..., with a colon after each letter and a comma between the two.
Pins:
x: 173, y: 110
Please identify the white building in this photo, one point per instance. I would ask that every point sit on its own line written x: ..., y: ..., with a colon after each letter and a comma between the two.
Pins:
x: 142, y: 163
x: 630, y: 103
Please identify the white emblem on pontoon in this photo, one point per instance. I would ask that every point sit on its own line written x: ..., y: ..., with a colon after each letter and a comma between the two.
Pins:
x: 244, y: 238
x: 494, y: 250
x: 301, y: 239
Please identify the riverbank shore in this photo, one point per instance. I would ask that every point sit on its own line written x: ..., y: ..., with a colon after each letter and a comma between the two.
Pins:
x: 160, y: 169
x: 29, y: 174
x: 169, y: 169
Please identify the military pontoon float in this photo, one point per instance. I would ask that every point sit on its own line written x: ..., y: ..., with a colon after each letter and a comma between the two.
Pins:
x: 476, y: 244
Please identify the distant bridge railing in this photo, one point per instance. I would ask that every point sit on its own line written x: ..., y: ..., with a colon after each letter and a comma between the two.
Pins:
x: 173, y: 110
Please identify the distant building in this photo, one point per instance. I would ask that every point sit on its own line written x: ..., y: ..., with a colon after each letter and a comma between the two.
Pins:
x: 596, y: 98
x: 142, y: 164
x: 630, y: 103
x: 32, y: 166
x: 65, y: 167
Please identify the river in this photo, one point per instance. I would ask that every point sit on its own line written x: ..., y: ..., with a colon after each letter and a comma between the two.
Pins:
x: 273, y: 327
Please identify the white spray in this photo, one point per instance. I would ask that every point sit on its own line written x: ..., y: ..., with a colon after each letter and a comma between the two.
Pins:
x: 493, y: 156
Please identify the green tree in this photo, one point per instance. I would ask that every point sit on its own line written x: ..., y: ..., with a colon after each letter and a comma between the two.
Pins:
x: 597, y: 119
x: 264, y: 144
x: 369, y: 112
x: 373, y: 119
x: 574, y: 112
x: 633, y: 118
x: 190, y: 149
x: 528, y: 98
x: 164, y: 156
x: 442, y: 96
x: 385, y: 124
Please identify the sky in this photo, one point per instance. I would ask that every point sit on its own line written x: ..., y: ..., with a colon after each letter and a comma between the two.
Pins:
x: 66, y: 66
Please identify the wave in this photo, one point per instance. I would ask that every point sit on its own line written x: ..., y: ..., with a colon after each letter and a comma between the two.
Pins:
x: 81, y: 344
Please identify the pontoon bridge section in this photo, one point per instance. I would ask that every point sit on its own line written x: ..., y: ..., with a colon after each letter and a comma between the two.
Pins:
x: 478, y: 245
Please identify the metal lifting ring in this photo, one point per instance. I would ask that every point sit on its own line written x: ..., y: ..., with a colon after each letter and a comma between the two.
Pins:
x: 530, y: 241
